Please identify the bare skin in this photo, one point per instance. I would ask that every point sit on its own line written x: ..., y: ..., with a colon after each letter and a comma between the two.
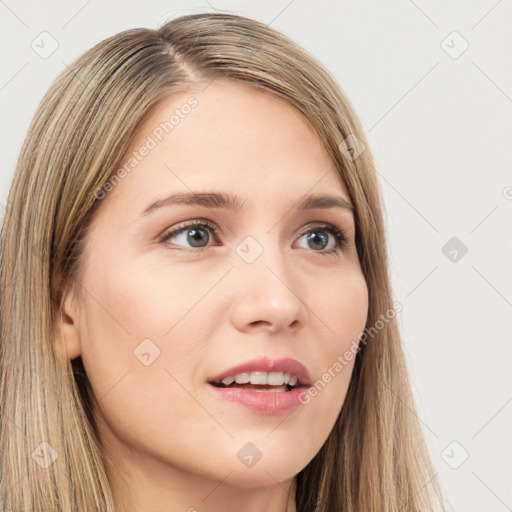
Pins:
x: 170, y: 442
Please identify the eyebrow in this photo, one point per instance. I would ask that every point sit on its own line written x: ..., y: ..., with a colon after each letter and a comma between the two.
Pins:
x: 232, y: 202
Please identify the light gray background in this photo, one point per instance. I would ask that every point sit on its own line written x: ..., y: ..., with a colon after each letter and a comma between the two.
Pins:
x: 440, y: 129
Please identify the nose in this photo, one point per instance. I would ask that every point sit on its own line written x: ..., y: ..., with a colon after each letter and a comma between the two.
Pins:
x: 265, y: 299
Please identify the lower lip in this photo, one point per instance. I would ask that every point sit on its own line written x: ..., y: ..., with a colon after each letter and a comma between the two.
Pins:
x: 270, y: 403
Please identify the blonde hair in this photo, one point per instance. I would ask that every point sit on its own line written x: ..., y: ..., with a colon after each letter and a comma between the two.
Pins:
x: 375, y: 458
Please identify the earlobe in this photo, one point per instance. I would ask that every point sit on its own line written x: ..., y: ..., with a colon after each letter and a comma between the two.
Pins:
x: 66, y: 336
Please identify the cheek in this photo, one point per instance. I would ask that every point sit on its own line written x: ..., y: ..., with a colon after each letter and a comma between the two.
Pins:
x: 125, y: 316
x: 137, y: 323
x: 343, y: 314
x: 345, y: 309
x: 132, y: 302
x: 134, y: 329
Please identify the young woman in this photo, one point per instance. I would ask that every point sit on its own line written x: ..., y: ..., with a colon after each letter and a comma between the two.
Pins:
x: 196, y: 311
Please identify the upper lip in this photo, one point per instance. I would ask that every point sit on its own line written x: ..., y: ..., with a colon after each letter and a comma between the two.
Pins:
x: 266, y: 364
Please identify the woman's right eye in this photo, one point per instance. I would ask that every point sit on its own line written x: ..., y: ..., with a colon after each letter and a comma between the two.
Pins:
x: 196, y: 234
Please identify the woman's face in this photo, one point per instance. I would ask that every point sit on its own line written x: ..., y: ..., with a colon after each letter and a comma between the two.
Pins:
x: 165, y: 307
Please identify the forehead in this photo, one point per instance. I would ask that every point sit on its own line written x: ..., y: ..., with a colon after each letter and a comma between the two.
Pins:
x: 231, y: 136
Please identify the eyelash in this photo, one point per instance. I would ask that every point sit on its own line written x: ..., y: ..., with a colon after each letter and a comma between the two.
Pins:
x: 339, y: 235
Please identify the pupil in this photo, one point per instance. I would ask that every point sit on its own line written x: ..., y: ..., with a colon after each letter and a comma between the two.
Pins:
x: 314, y: 236
x: 194, y: 235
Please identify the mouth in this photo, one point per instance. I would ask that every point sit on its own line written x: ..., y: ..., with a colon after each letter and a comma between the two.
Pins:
x: 266, y: 386
x: 260, y: 381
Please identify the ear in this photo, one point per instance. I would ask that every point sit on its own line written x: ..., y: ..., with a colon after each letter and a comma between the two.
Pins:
x: 66, y: 336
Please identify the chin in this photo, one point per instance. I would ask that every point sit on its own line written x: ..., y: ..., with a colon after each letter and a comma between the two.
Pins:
x: 274, y: 466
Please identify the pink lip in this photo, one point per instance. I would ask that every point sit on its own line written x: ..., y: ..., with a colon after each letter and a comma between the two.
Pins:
x: 265, y: 402
x: 265, y: 364
x: 269, y: 403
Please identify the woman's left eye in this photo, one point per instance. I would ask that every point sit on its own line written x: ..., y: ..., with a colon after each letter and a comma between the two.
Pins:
x: 195, y: 233
x: 316, y: 235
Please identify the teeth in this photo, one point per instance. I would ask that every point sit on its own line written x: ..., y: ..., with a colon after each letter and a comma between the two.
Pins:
x: 258, y: 378
x: 242, y: 378
x: 261, y: 378
x: 275, y: 378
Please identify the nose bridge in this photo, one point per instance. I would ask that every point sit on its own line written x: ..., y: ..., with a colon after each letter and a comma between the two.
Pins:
x: 262, y: 257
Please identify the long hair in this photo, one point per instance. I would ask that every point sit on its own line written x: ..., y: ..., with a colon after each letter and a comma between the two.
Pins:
x: 375, y: 457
